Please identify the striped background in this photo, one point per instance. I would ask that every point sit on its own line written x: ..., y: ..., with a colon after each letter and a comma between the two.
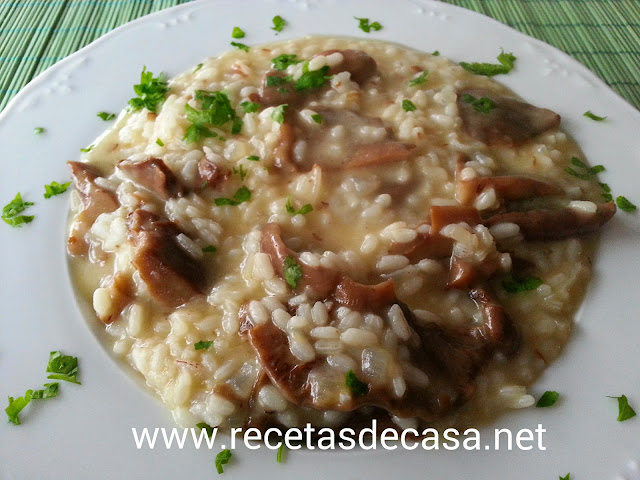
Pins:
x: 602, y: 34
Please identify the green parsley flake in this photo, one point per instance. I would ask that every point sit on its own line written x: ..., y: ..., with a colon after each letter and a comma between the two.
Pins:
x: 203, y: 345
x: 243, y: 194
x: 517, y: 285
x: 198, y: 67
x: 482, y: 105
x: 106, y: 116
x: 237, y: 32
x: 606, y: 192
x: 420, y: 79
x: 275, y: 80
x: 209, y: 249
x: 292, y: 271
x: 548, y: 399
x: 196, y: 132
x: 436, y: 53
x: 587, y: 172
x: 13, y: 208
x: 87, y: 149
x: 250, y: 107
x: 38, y: 130
x: 625, y: 205
x: 253, y: 158
x: 50, y: 390
x: 278, y: 23
x: 281, y: 62
x: 151, y: 91
x: 159, y: 142
x: 318, y: 118
x: 241, y: 172
x: 206, y: 427
x: 625, y: 412
x: 222, y: 458
x: 278, y: 113
x: 365, y: 26
x: 63, y: 367
x: 507, y: 61
x: 280, y: 454
x: 593, y: 116
x: 408, y: 106
x: 16, y: 405
x: 357, y: 386
x: 55, y: 188
x: 241, y: 46
x: 301, y: 211
x: 566, y: 477
x: 311, y: 78
x: 216, y: 110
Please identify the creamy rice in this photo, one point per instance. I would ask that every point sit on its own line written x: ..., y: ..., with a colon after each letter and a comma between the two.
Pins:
x: 362, y: 217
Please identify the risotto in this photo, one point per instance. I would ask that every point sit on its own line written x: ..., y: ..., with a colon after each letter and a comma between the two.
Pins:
x: 332, y: 230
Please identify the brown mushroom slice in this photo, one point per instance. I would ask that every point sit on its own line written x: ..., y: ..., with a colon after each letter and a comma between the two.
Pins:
x: 171, y: 275
x: 283, y: 154
x: 154, y: 175
x: 425, y: 245
x: 365, y: 298
x: 210, y: 174
x: 506, y: 188
x: 510, y: 122
x: 497, y: 326
x: 317, y: 281
x: 443, y: 215
x: 555, y: 224
x: 95, y: 201
x: 359, y: 64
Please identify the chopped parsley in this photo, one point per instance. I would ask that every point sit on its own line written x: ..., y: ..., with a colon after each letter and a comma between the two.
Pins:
x: 593, y: 116
x: 275, y: 80
x: 106, y: 116
x: 548, y: 399
x: 253, y: 158
x: 311, y: 78
x: 206, y: 427
x: 151, y: 91
x: 203, y: 345
x: 11, y: 211
x: 281, y: 62
x: 408, y: 106
x: 585, y: 172
x: 16, y: 405
x: 624, y: 204
x: 625, y: 412
x: 216, y: 110
x: 420, y: 79
x: 237, y: 32
x: 38, y: 130
x: 241, y: 46
x: 566, y: 477
x: 606, y: 192
x: 357, y: 386
x: 243, y: 194
x: 63, y: 367
x: 55, y: 188
x: 278, y: 113
x: 159, y: 142
x: 241, y: 172
x: 87, y: 149
x: 209, y: 249
x: 292, y: 271
x: 366, y: 27
x: 507, y: 61
x: 317, y: 117
x: 280, y: 454
x: 222, y: 458
x: 436, y: 53
x: 198, y: 67
x: 250, y: 107
x: 278, y: 23
x: 301, y: 211
x: 482, y: 104
x: 524, y: 284
x: 50, y: 390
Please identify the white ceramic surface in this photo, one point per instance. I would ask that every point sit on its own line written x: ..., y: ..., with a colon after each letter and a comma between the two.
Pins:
x: 86, y: 431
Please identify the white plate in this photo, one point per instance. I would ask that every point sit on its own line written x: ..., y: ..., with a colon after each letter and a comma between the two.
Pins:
x: 86, y: 432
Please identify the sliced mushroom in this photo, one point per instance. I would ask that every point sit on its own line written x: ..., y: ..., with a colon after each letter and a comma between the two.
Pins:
x: 210, y: 174
x: 425, y: 245
x: 443, y: 215
x: 365, y: 298
x: 172, y: 276
x: 283, y: 154
x: 95, y: 201
x: 510, y: 122
x: 555, y: 224
x: 506, y: 188
x: 154, y: 175
x: 359, y: 64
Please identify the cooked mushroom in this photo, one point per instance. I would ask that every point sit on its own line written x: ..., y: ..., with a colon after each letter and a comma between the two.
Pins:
x: 359, y: 64
x: 506, y: 188
x: 154, y: 175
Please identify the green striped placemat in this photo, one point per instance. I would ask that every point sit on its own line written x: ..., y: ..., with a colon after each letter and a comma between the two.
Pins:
x: 602, y: 34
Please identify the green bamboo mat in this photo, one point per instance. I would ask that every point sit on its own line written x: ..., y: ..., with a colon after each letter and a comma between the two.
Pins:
x: 602, y: 34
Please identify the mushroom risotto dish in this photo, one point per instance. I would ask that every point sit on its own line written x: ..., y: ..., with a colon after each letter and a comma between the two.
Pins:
x: 330, y: 231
